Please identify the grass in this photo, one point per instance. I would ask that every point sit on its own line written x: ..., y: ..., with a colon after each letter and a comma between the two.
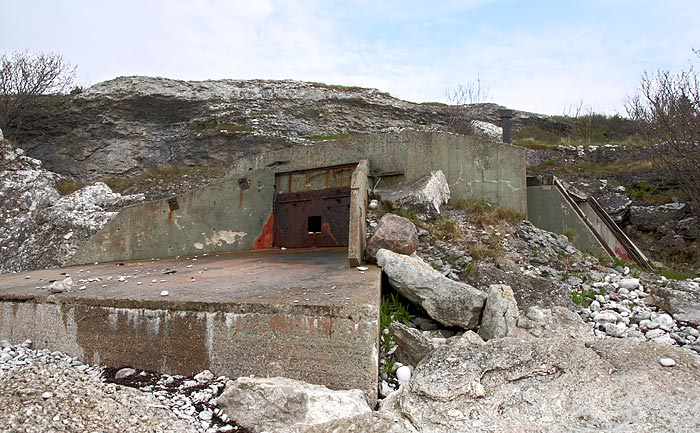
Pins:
x: 580, y: 130
x: 392, y: 308
x: 160, y: 174
x: 444, y: 228
x: 491, y: 249
x: 340, y: 88
x: 331, y: 137
x: 484, y: 213
x: 674, y: 274
x: 68, y: 186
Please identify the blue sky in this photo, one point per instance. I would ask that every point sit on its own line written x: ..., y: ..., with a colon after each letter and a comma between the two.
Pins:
x: 543, y: 56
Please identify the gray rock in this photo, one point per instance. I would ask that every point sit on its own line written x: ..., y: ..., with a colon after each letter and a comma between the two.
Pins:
x: 652, y: 218
x: 556, y: 321
x: 423, y: 196
x: 394, y: 233
x: 500, y: 313
x: 286, y: 405
x: 681, y: 299
x: 449, y: 302
x: 689, y: 228
x: 546, y: 385
x: 124, y: 373
x: 412, y: 342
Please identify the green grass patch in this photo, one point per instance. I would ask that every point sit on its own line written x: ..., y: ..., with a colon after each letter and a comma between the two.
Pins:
x: 674, y: 274
x: 68, y: 186
x: 159, y: 175
x: 330, y: 137
x: 484, y: 213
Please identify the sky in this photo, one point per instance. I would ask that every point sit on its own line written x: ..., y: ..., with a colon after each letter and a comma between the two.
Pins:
x: 551, y: 57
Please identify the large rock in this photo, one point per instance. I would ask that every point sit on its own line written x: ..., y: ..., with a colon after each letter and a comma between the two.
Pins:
x: 449, y: 302
x: 500, y: 313
x: 394, y: 233
x: 556, y: 384
x: 552, y: 322
x: 413, y: 344
x: 655, y: 218
x: 681, y: 299
x: 689, y: 228
x: 423, y: 196
x: 290, y: 406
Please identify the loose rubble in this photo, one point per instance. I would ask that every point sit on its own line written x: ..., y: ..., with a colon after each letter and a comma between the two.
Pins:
x: 51, y: 391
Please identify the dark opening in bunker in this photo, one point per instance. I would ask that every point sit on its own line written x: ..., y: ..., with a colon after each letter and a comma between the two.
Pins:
x: 313, y: 225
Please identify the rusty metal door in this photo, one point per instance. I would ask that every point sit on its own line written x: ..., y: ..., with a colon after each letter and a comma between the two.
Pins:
x: 317, y: 218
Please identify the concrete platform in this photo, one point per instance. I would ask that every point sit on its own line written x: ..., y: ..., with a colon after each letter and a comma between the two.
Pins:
x: 302, y: 314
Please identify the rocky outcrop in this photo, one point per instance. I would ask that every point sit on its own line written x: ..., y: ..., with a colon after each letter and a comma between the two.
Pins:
x: 125, y: 125
x: 681, y: 299
x: 655, y: 218
x: 451, y: 303
x: 40, y: 228
x: 394, y: 233
x: 551, y: 385
x: 423, y: 196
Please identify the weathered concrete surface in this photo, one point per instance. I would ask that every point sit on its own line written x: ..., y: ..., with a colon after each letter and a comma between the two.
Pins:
x: 304, y: 315
x: 224, y: 216
x: 357, y: 236
x: 474, y: 167
x: 549, y: 210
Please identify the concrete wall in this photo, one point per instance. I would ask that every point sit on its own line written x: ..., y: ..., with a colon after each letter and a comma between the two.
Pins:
x: 475, y: 168
x: 236, y: 214
x: 225, y: 216
x: 549, y: 210
x: 357, y: 238
x: 300, y: 342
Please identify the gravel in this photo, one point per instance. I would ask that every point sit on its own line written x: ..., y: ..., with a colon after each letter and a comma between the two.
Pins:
x: 43, y: 391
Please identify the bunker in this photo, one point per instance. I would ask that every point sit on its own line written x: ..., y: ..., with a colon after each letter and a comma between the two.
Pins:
x: 259, y: 267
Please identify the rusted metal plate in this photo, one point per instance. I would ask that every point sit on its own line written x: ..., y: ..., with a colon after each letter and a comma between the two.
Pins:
x: 315, y: 179
x: 313, y: 218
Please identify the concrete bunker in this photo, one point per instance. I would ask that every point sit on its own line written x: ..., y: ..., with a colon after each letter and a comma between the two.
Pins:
x: 318, y: 316
x: 307, y: 196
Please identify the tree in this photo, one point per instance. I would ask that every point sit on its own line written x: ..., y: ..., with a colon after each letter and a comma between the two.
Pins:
x: 459, y: 98
x: 24, y: 78
x: 667, y: 107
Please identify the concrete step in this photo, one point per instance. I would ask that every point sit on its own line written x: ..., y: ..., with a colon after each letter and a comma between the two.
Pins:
x: 302, y: 314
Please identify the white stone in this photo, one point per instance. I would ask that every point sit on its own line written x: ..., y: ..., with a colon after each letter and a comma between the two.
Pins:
x: 286, y: 405
x: 606, y: 316
x: 204, y: 376
x: 124, y: 372
x: 164, y: 293
x: 47, y: 395
x: 629, y: 283
x: 373, y: 204
x: 667, y: 362
x: 663, y: 321
x: 654, y: 333
x: 403, y: 374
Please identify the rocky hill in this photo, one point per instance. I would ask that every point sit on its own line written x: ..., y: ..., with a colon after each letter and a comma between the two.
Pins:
x: 126, y: 125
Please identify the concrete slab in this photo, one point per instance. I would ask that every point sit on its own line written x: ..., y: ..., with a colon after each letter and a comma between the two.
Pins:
x: 302, y: 314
